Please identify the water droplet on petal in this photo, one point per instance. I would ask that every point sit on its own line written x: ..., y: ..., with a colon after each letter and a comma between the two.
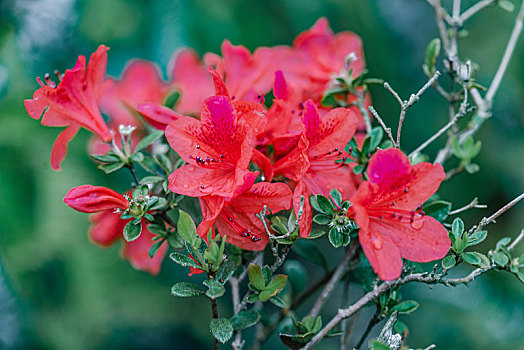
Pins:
x: 377, y: 243
x: 417, y: 223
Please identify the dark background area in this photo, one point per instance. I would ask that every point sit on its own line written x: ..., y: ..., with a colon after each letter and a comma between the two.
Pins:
x: 59, y: 291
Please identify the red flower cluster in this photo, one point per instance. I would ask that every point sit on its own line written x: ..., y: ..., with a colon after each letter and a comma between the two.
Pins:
x: 241, y: 155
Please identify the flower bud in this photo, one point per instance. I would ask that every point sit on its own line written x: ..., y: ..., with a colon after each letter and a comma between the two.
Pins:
x: 92, y: 199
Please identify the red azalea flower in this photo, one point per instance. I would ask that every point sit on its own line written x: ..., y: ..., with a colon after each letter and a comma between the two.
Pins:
x: 92, y: 199
x: 387, y: 208
x: 141, y: 82
x: 236, y: 219
x: 73, y: 103
x: 313, y: 162
x: 107, y: 228
x: 217, y: 148
x: 248, y: 76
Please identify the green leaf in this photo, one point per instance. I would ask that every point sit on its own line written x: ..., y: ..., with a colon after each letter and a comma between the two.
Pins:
x: 438, y: 210
x: 500, y: 258
x: 457, y: 228
x: 477, y: 237
x: 472, y: 168
x: 358, y: 169
x: 475, y: 258
x: 310, y: 251
x: 430, y: 59
x: 172, y: 99
x: 140, y: 191
x: 322, y: 219
x: 186, y: 289
x: 317, y: 326
x: 314, y: 204
x: 154, y: 248
x: 222, y: 329
x: 106, y: 158
x: 503, y: 242
x: 109, y: 168
x: 244, y: 319
x: 186, y: 227
x: 153, y: 179
x: 278, y: 301
x: 448, y: 262
x: 520, y: 276
x: 277, y: 283
x: 256, y: 277
x: 378, y: 345
x: 175, y: 241
x: 336, y: 238
x: 161, y: 203
x: 266, y: 272
x: 215, y: 289
x: 252, y: 298
x: 184, y: 260
x: 132, y: 231
x: 316, y: 234
x: 506, y: 5
x: 376, y: 137
x: 325, y: 204
x: 148, y: 140
x: 406, y: 307
x: 336, y: 196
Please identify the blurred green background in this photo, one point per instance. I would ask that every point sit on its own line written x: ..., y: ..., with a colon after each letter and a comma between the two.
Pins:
x: 59, y: 291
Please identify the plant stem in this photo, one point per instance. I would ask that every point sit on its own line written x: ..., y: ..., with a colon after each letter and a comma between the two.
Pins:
x: 326, y: 292
x: 134, y: 174
x: 214, y: 311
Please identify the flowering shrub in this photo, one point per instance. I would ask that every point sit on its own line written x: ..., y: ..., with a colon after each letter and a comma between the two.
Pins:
x: 279, y: 150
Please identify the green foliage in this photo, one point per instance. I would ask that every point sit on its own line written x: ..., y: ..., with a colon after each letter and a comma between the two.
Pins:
x: 263, y: 284
x: 215, y: 288
x: 186, y: 289
x: 244, y: 319
x: 148, y: 140
x: 183, y: 260
x: 186, y: 227
x: 378, y: 345
x: 222, y: 329
x: 430, y: 59
x: 132, y: 230
x: 438, y: 210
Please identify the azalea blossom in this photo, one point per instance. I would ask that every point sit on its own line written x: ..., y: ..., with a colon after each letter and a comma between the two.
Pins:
x: 92, y: 199
x: 142, y: 82
x: 237, y: 219
x: 387, y: 208
x: 72, y: 103
x: 217, y: 148
x: 317, y: 162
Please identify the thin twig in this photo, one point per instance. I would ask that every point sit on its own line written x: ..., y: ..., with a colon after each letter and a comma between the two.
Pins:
x: 238, y: 343
x: 516, y: 240
x: 474, y: 9
x: 485, y: 221
x: 214, y: 311
x: 439, y: 12
x: 394, y: 93
x: 473, y: 204
x: 341, y: 268
x: 427, y: 278
x: 512, y: 43
x: 447, y: 17
x: 412, y: 100
x: 381, y: 122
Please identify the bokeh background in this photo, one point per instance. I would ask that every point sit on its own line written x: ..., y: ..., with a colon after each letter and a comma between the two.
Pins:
x: 59, y: 291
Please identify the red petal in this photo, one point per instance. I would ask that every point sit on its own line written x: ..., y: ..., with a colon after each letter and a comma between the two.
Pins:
x: 295, y: 164
x: 196, y: 181
x: 427, y: 242
x: 220, y: 87
x: 264, y: 164
x: 59, y: 151
x: 191, y: 76
x: 382, y: 253
x: 92, y: 199
x: 211, y: 207
x: 106, y: 227
x: 158, y: 116
x: 389, y: 168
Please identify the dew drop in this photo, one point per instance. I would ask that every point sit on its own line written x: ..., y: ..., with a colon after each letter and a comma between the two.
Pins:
x: 377, y: 243
x: 417, y: 223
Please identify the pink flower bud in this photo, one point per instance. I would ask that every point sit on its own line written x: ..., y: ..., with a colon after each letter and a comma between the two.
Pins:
x: 92, y: 199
